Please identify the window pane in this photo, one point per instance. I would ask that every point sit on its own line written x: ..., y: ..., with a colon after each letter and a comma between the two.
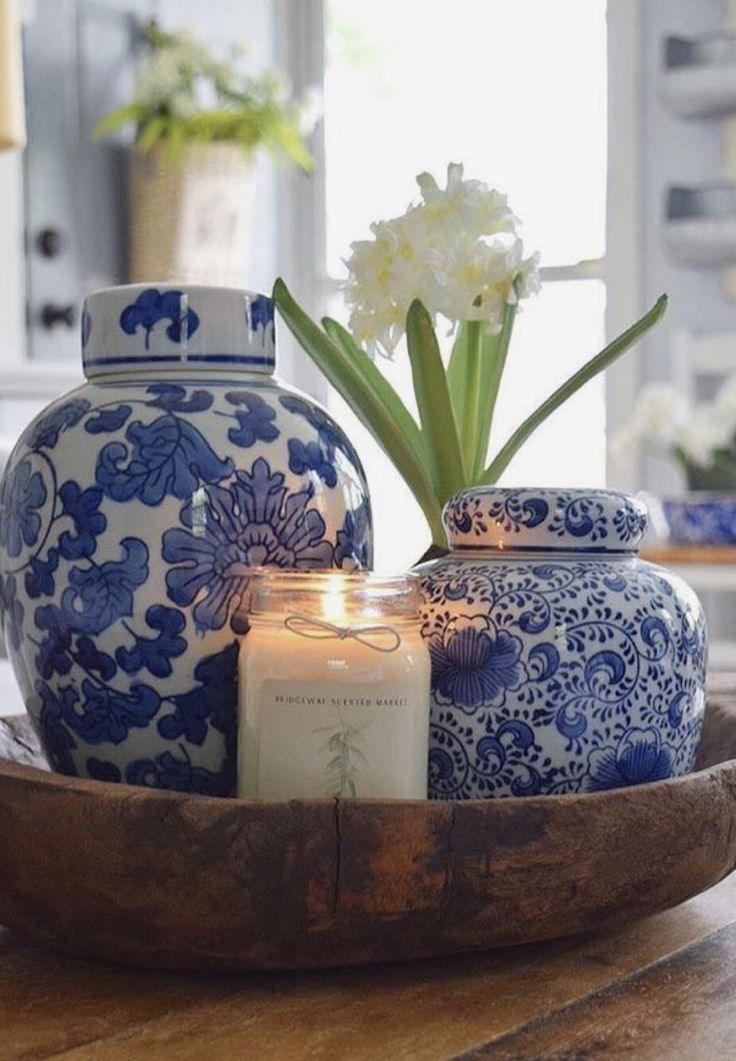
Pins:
x: 510, y: 90
x: 556, y: 333
x: 516, y: 91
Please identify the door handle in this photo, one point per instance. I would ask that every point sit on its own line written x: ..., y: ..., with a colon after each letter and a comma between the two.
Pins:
x: 52, y: 315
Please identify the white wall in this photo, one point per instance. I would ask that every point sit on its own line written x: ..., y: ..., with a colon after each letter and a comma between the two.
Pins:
x: 674, y: 151
x: 12, y: 325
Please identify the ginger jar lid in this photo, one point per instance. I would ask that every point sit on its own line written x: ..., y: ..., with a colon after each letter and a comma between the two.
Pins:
x: 170, y: 326
x: 545, y: 520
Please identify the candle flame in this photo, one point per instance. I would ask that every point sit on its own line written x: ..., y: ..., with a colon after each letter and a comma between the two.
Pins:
x: 333, y: 601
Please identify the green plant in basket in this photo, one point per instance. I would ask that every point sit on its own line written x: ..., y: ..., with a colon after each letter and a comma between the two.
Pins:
x: 455, y: 255
x: 187, y: 95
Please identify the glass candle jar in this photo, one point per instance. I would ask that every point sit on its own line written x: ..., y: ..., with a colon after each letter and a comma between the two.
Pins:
x: 334, y: 688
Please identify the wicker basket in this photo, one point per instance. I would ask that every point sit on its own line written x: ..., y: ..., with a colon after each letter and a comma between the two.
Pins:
x: 191, y: 218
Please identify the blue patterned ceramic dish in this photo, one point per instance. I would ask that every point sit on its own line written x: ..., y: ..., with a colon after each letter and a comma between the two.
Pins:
x: 560, y: 661
x: 701, y: 518
x: 130, y: 513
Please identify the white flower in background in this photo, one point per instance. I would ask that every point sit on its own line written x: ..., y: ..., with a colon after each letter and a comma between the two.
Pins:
x: 663, y: 420
x: 660, y: 412
x: 656, y: 421
x: 457, y: 250
x: 182, y: 104
x: 170, y: 76
x: 160, y: 79
x: 724, y: 406
x: 702, y: 434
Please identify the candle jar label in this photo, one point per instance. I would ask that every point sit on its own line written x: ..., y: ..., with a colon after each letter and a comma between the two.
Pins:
x: 357, y: 740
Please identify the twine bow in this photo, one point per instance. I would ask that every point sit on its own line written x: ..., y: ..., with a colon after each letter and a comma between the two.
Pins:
x: 379, y: 638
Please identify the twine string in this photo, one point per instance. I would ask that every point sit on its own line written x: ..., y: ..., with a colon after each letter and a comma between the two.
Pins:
x: 379, y: 638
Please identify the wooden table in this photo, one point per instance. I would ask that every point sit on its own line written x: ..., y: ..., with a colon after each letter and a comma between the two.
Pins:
x: 663, y: 988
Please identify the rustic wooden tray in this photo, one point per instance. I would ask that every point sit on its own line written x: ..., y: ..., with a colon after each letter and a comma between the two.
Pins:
x: 185, y: 882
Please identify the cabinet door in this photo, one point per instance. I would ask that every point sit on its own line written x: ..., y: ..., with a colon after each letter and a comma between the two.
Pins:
x: 79, y: 65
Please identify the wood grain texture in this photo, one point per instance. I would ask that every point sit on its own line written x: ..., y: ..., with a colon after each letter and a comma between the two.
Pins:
x: 682, y: 1009
x: 52, y: 1005
x: 237, y: 885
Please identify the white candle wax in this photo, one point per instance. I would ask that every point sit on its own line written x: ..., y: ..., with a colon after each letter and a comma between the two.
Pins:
x: 333, y: 703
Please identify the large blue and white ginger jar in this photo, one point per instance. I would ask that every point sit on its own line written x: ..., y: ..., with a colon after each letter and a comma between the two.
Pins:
x: 130, y: 514
x: 561, y: 662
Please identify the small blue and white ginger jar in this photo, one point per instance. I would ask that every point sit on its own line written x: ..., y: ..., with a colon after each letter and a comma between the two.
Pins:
x: 561, y: 662
x: 131, y: 512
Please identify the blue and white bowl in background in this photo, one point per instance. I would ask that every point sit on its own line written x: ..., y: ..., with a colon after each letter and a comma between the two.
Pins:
x: 701, y: 518
x: 131, y: 511
x: 561, y: 662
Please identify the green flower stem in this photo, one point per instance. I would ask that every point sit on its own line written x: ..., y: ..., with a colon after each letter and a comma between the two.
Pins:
x: 597, y: 364
x: 473, y: 384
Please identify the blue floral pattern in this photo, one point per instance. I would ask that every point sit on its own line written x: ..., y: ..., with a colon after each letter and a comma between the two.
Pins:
x: 598, y: 520
x: 473, y: 664
x: 23, y: 495
x: 329, y: 436
x: 261, y: 314
x: 638, y: 757
x: 255, y: 421
x: 167, y: 456
x: 153, y: 306
x: 124, y: 558
x: 559, y: 673
x: 45, y: 432
x: 253, y: 522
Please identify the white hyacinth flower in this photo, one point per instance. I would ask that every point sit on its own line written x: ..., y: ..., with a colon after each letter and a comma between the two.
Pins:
x: 457, y: 250
x: 702, y: 434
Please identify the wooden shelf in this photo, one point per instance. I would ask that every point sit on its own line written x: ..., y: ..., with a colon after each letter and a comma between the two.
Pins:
x: 690, y: 554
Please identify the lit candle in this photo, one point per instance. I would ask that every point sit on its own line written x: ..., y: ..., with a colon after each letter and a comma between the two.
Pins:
x: 334, y: 688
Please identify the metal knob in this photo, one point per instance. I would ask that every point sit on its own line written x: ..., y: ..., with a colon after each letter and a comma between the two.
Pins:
x: 52, y: 315
x: 50, y: 242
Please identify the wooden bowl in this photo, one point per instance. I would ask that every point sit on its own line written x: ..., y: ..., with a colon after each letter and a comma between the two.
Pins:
x: 187, y: 882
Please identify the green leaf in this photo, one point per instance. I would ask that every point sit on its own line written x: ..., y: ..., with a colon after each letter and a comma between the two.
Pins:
x: 465, y: 387
x: 361, y: 398
x: 433, y: 401
x: 457, y: 372
x: 597, y: 364
x: 150, y: 134
x: 472, y: 384
x: 131, y: 112
x: 380, y: 386
x: 494, y: 351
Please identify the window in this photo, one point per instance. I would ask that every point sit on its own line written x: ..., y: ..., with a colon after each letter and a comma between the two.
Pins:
x: 517, y: 92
